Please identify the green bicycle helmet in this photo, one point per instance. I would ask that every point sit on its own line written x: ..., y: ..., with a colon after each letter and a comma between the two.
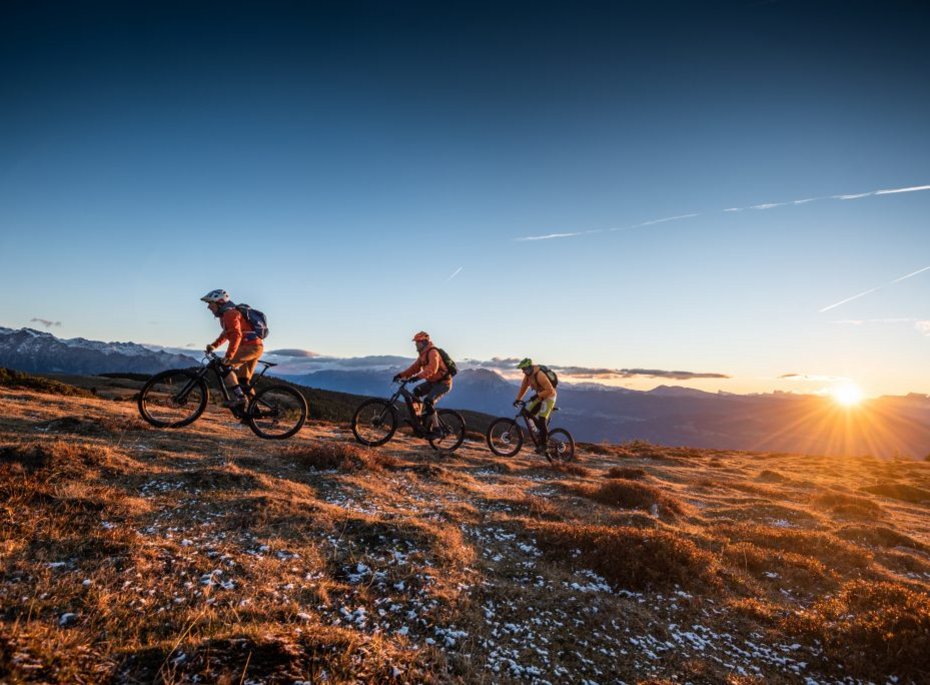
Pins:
x: 525, y: 363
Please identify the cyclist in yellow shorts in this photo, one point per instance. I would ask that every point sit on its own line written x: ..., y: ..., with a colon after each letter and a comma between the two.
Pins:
x: 542, y: 403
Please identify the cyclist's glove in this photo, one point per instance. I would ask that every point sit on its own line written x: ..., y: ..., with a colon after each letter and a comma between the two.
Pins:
x: 397, y: 378
x: 517, y: 403
x: 210, y: 349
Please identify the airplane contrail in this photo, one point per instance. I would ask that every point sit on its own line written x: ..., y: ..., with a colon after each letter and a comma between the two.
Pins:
x: 850, y: 299
x: 872, y: 290
x: 763, y: 206
x: 455, y: 273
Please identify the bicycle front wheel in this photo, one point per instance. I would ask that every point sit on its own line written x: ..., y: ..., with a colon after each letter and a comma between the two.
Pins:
x: 277, y: 412
x: 374, y: 422
x: 560, y: 448
x: 172, y: 399
x: 505, y: 438
x: 452, y: 426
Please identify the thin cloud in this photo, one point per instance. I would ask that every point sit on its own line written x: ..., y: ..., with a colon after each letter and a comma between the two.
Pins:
x: 923, y: 327
x: 812, y: 378
x: 45, y: 322
x: 760, y: 206
x: 455, y: 273
x: 675, y: 375
x: 509, y: 364
x: 875, y: 289
x: 861, y: 322
x: 290, y: 352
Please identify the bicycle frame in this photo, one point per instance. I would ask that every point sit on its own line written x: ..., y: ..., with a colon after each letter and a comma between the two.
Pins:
x: 211, y: 362
x: 531, y: 429
x: 409, y: 398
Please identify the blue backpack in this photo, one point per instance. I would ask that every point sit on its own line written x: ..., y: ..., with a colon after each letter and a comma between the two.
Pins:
x: 256, y: 319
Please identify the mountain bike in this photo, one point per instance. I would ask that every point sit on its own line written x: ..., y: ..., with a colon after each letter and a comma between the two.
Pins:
x: 375, y: 421
x: 172, y: 399
x: 506, y: 437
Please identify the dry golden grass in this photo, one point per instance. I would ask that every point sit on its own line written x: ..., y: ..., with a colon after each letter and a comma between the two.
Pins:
x: 139, y: 555
x: 627, y: 472
x: 850, y: 506
x: 339, y: 456
x: 629, y: 494
x: 630, y: 558
x: 872, y: 629
x: 901, y: 491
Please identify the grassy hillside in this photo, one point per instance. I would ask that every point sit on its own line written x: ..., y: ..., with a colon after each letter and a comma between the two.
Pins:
x: 135, y: 555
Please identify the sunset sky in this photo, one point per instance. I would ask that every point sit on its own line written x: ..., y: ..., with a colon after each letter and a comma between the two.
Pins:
x: 737, y: 189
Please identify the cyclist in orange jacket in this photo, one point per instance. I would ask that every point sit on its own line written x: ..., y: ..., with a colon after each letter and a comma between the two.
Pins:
x: 542, y: 403
x: 429, y: 367
x: 244, y: 350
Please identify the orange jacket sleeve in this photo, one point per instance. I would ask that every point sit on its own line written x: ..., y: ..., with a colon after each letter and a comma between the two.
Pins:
x: 524, y: 386
x: 411, y: 370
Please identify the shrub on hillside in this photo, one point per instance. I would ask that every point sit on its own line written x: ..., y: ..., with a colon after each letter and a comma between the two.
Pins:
x: 879, y: 536
x: 600, y: 449
x: 799, y: 568
x: 629, y: 558
x: 874, y: 629
x: 569, y: 468
x: 900, y: 491
x: 627, y: 472
x: 17, y: 379
x: 53, y: 458
x: 835, y: 554
x: 340, y: 456
x: 850, y: 506
x: 769, y: 476
x: 628, y: 494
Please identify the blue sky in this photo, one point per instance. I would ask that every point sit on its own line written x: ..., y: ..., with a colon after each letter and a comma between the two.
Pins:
x: 335, y: 163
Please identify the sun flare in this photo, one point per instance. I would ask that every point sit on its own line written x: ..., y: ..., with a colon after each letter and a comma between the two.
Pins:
x: 847, y: 394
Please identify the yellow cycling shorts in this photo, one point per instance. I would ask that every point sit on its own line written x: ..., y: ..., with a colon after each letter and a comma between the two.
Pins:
x: 545, y: 409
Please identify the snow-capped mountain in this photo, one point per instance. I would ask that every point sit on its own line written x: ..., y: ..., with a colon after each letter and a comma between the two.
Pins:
x: 35, y: 351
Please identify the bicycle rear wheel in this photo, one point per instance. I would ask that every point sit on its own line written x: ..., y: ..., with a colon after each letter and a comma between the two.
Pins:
x: 452, y: 426
x: 277, y: 412
x: 172, y: 399
x: 560, y: 448
x: 374, y: 422
x: 505, y: 437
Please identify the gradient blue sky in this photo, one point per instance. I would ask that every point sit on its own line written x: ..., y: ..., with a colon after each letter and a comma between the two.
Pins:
x: 335, y: 163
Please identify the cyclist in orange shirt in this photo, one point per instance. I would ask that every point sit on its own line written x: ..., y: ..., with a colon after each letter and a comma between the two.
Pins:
x: 430, y: 367
x: 244, y: 350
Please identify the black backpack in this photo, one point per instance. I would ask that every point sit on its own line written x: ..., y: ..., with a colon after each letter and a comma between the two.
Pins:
x: 551, y: 375
x: 451, y: 368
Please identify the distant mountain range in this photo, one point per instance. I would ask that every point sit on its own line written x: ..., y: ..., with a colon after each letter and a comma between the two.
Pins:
x: 34, y: 351
x: 666, y: 415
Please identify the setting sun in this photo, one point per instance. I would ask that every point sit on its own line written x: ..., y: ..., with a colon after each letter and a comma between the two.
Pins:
x: 847, y: 394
